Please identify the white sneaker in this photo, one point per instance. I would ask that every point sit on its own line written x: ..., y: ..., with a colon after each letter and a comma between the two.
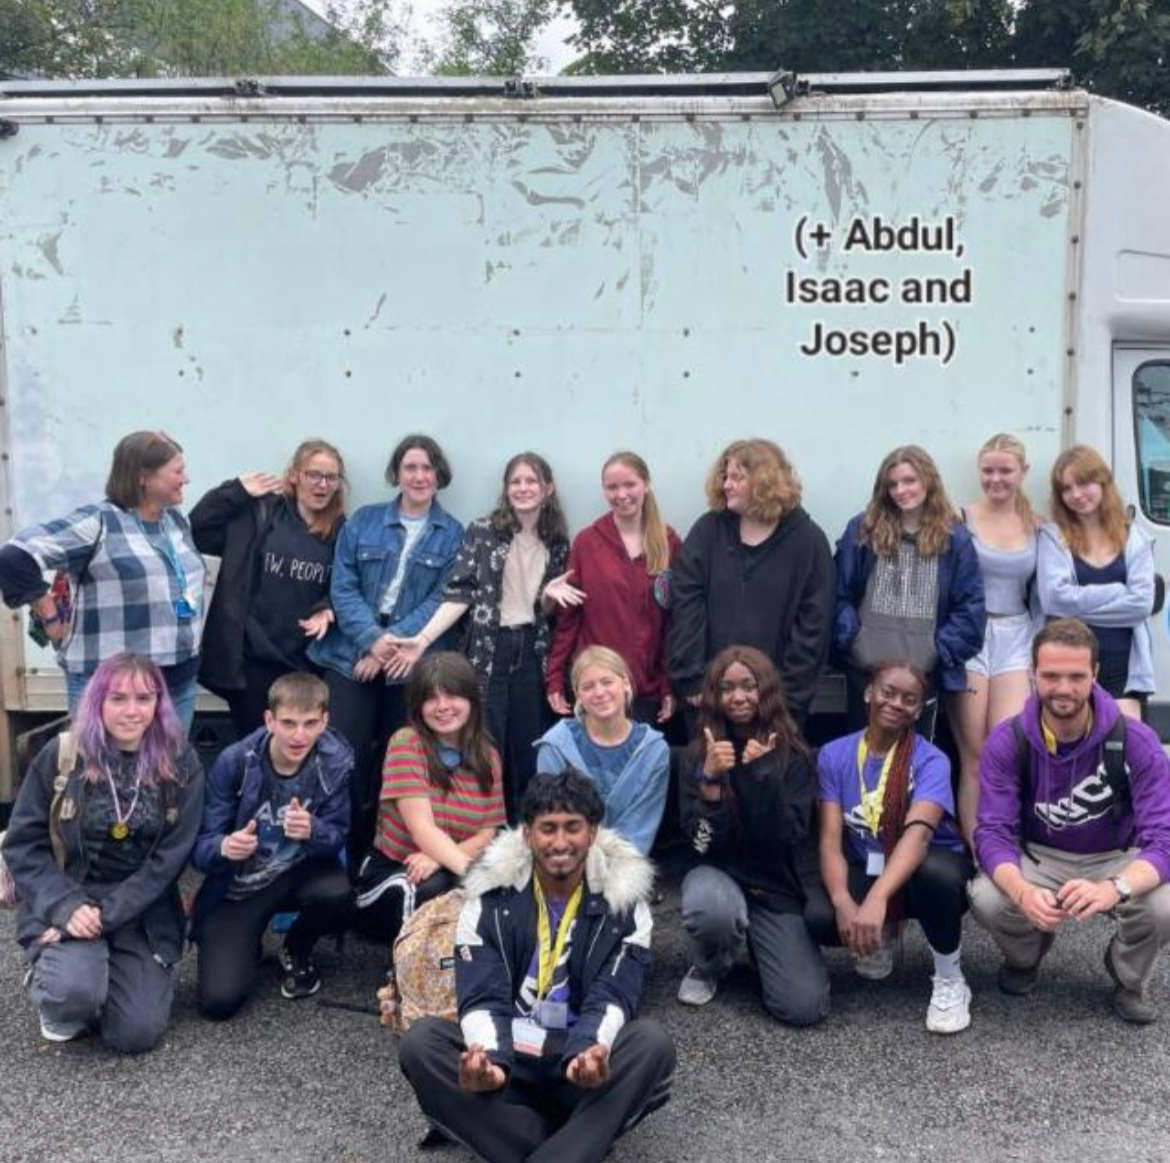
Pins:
x: 60, y: 1031
x: 950, y: 1006
x: 875, y: 966
x: 696, y: 989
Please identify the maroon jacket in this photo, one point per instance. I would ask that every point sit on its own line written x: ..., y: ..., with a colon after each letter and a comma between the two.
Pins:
x: 620, y: 611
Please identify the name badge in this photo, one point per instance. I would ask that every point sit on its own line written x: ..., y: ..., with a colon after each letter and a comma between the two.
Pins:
x: 528, y: 1037
x: 184, y: 608
x: 552, y: 1015
x: 875, y: 864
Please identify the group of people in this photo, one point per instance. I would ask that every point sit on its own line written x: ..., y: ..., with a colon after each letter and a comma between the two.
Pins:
x: 376, y: 766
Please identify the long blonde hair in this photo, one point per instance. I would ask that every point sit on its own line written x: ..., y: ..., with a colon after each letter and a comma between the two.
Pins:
x: 655, y: 545
x: 1013, y: 446
x: 1087, y: 466
x: 881, y: 527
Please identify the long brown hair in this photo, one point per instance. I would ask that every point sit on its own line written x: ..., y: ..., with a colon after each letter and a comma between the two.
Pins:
x: 772, y: 715
x: 551, y: 526
x: 655, y: 544
x: 1087, y: 466
x: 881, y: 526
x: 452, y: 674
x: 323, y: 524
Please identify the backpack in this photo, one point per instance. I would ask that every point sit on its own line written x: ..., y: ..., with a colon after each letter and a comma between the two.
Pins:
x: 1115, y: 774
x: 62, y: 591
x: 423, y: 982
x: 66, y: 758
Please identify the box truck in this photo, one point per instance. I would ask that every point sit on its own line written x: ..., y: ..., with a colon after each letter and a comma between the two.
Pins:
x: 840, y: 263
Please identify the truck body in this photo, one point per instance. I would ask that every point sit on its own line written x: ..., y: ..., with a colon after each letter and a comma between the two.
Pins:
x: 841, y: 264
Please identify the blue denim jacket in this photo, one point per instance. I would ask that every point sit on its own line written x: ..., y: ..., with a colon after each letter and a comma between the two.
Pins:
x: 364, y: 565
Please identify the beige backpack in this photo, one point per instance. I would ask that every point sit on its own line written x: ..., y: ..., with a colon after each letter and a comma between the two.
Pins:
x: 423, y: 984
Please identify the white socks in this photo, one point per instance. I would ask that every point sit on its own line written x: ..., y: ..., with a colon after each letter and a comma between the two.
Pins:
x: 947, y: 964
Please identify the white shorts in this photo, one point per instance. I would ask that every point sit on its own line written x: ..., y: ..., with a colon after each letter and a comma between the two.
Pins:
x: 1007, y: 646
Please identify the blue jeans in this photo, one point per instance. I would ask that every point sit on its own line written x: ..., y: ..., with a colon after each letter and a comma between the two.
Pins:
x: 182, y: 694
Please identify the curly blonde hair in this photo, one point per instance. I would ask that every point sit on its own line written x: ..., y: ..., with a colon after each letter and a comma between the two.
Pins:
x: 1087, y: 466
x: 881, y: 527
x: 775, y: 487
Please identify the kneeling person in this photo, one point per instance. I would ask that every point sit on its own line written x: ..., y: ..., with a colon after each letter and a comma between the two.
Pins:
x: 1064, y: 833
x: 275, y: 823
x: 550, y: 952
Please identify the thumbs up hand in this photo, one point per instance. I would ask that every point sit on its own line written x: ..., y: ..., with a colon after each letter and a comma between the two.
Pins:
x: 241, y: 844
x: 298, y: 821
x: 720, y: 756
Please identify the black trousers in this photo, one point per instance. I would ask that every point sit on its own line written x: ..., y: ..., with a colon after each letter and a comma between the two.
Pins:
x: 514, y: 708
x: 384, y: 896
x: 538, y: 1115
x: 366, y: 714
x: 230, y: 933
x: 935, y: 896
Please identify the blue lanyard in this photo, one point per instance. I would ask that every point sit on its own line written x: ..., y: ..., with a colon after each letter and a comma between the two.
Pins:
x: 165, y: 549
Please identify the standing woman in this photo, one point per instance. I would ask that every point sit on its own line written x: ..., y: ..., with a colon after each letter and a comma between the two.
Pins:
x: 629, y: 761
x: 755, y: 571
x: 1003, y: 530
x: 1097, y: 566
x: 502, y: 572
x: 908, y: 582
x: 617, y: 591
x: 391, y: 565
x: 135, y: 573
x: 441, y: 800
x: 275, y: 538
x: 749, y: 812
x: 888, y: 846
x: 97, y: 864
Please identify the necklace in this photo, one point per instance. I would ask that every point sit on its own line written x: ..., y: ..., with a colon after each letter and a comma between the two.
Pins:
x: 120, y: 828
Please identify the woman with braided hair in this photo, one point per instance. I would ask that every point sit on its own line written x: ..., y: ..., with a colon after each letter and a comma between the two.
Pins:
x: 889, y: 849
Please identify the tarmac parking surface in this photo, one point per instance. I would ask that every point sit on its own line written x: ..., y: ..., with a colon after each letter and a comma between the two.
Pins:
x: 1053, y: 1077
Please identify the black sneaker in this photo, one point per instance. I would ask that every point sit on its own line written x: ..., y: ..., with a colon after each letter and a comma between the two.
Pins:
x: 301, y: 979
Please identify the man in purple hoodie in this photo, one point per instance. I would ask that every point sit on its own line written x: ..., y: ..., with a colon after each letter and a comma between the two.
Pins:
x: 1061, y: 844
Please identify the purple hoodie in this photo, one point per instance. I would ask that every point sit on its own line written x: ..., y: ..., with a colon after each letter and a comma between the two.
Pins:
x: 1070, y: 807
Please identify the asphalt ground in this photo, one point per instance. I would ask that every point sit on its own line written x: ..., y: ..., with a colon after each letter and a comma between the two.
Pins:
x: 1050, y: 1077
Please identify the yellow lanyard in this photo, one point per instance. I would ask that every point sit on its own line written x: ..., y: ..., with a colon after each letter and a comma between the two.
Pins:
x: 548, y: 953
x: 871, y: 802
x: 1050, y: 743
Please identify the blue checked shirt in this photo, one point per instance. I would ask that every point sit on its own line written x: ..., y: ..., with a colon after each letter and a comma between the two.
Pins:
x: 126, y: 599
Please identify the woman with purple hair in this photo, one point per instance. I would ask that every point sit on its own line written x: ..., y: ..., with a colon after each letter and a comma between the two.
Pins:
x: 96, y: 847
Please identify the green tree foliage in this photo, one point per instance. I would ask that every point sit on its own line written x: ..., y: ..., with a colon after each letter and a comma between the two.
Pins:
x: 1120, y: 48
x: 491, y: 37
x: 97, y: 38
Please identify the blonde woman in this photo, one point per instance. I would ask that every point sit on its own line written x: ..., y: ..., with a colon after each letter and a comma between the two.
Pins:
x: 1096, y: 566
x: 755, y: 570
x: 1003, y: 529
x: 275, y: 536
x: 908, y: 583
x: 628, y: 761
x: 616, y: 591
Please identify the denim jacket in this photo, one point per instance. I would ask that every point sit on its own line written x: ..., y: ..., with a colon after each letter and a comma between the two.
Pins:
x: 367, y: 556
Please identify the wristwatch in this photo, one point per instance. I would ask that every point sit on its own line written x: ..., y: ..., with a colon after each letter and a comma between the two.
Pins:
x: 1124, y: 892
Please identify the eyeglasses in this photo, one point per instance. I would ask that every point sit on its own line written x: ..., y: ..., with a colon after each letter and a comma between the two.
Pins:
x: 332, y: 479
x: 907, y: 699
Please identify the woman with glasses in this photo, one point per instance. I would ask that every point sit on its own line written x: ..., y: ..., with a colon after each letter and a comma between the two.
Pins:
x: 275, y: 537
x: 134, y: 576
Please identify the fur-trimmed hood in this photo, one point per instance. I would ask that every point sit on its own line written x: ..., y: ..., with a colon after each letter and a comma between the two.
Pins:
x: 614, y: 869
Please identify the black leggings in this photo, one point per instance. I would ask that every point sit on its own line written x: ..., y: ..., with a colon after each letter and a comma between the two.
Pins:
x: 935, y: 896
x: 231, y: 931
